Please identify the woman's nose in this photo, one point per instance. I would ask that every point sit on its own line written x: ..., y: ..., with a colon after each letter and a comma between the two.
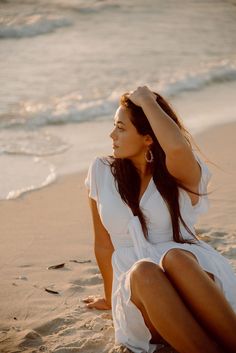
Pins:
x: 112, y: 135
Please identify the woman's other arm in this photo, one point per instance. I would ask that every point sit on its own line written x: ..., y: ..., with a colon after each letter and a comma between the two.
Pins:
x: 103, y: 249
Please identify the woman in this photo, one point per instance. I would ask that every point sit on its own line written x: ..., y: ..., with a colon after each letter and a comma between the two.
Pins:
x: 162, y: 283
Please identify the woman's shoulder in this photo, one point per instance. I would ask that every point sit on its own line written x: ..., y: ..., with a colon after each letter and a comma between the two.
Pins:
x: 98, y: 171
x: 100, y: 163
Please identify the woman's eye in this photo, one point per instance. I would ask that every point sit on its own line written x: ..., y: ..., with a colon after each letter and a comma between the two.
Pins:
x: 118, y: 127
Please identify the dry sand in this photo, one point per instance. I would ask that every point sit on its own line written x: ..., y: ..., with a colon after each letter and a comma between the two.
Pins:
x: 53, y: 226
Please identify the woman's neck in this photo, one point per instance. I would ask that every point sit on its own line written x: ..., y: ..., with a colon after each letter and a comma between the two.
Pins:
x: 143, y: 169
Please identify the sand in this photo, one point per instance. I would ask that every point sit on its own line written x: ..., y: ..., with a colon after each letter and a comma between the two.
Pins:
x: 53, y: 226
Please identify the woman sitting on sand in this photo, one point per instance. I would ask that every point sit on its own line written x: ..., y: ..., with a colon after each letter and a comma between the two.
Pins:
x: 162, y: 283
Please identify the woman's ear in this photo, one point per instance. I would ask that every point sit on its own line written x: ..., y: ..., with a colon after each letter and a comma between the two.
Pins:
x: 148, y: 140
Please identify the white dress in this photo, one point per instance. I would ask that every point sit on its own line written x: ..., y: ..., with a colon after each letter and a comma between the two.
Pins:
x: 131, y: 246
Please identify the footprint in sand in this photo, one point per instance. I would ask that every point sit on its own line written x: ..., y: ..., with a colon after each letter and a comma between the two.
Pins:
x: 92, y: 270
x: 123, y: 349
x: 99, y: 323
x: 80, y: 330
x: 211, y: 232
x: 54, y: 326
x: 92, y: 344
x: 31, y: 339
x: 92, y: 335
x: 212, y: 236
x: 68, y: 331
x: 88, y: 281
x: 230, y: 252
x: 202, y: 231
x: 219, y: 233
x: 119, y: 349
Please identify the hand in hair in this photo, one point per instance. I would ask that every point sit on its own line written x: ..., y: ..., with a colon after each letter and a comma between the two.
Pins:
x: 141, y: 95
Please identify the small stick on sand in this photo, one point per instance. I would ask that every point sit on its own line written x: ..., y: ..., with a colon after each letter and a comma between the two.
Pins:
x: 81, y: 261
x: 54, y: 267
x: 51, y: 291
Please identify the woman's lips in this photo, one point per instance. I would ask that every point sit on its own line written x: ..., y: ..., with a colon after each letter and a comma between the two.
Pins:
x: 114, y: 146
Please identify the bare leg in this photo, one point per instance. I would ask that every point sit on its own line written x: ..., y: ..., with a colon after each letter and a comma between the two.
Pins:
x: 151, y: 289
x: 202, y: 296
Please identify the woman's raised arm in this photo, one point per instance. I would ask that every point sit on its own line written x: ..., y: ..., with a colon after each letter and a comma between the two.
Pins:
x: 180, y: 160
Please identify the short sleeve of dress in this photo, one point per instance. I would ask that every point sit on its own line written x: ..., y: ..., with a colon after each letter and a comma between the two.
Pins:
x: 203, y: 203
x: 91, y: 180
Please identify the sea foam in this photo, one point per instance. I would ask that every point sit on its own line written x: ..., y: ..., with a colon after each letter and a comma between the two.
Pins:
x: 30, y: 25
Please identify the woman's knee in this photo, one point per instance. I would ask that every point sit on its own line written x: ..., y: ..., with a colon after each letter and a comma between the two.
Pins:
x: 144, y: 272
x: 142, y: 276
x: 176, y: 259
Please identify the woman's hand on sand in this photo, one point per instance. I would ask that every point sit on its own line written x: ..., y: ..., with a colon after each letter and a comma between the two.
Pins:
x: 141, y: 95
x: 96, y: 303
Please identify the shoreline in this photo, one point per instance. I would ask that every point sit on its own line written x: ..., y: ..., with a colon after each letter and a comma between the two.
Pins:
x: 104, y: 150
x: 53, y: 225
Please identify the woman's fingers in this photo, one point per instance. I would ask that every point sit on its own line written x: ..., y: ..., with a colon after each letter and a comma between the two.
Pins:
x: 97, y: 303
x: 91, y: 305
x: 140, y: 95
x: 88, y: 299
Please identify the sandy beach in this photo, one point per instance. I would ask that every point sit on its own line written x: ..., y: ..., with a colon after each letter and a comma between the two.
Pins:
x: 64, y: 65
x: 53, y: 226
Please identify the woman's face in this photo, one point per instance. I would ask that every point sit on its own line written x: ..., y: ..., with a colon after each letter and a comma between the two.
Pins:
x: 127, y: 142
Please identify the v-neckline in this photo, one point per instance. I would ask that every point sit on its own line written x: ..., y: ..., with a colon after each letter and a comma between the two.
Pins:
x: 145, y: 191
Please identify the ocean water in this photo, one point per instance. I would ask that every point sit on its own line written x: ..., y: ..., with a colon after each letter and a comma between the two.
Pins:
x: 64, y: 64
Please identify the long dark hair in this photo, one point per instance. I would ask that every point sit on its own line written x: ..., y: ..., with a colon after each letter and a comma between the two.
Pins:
x: 124, y: 170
